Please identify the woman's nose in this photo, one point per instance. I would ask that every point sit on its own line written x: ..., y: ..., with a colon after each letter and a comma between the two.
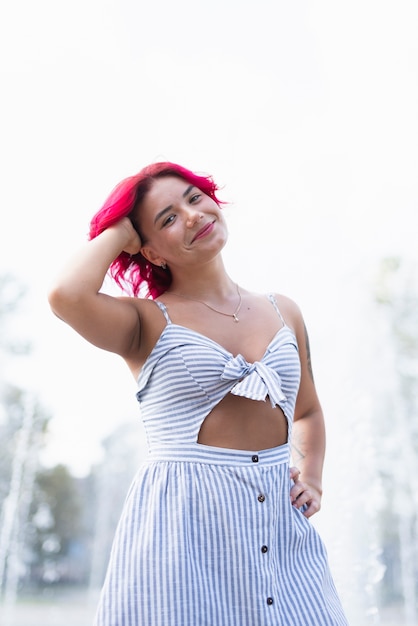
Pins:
x: 192, y: 216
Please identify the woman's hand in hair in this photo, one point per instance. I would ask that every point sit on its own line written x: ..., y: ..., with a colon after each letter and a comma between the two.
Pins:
x: 126, y: 229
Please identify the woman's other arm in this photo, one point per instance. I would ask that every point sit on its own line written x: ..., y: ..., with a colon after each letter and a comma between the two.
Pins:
x: 308, y: 436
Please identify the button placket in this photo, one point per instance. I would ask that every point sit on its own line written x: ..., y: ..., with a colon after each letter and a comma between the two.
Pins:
x: 263, y: 529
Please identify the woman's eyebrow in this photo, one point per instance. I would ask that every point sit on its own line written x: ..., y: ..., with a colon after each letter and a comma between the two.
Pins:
x: 170, y: 206
x: 187, y: 191
x: 163, y: 212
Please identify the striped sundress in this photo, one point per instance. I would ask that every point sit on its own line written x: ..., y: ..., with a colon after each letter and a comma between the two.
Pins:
x: 208, y: 536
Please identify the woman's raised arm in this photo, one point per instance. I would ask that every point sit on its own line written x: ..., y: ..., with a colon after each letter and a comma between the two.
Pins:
x: 108, y: 322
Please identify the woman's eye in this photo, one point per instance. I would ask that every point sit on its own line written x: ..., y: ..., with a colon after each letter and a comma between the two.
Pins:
x: 168, y: 220
x: 195, y: 197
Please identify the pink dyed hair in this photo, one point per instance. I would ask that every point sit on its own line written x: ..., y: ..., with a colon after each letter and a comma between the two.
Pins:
x: 133, y: 273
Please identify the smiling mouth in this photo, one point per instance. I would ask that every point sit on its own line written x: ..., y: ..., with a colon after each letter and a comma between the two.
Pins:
x: 203, y: 231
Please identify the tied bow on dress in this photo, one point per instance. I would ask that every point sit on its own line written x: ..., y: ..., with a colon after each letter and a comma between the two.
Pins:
x: 256, y: 380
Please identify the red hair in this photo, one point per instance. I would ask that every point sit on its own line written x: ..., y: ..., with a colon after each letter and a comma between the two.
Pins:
x: 134, y: 273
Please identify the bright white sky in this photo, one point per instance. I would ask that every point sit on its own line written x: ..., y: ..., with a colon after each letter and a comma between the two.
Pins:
x: 305, y: 111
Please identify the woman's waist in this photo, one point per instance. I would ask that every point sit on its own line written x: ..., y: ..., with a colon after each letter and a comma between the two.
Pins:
x: 235, y: 422
x: 213, y: 455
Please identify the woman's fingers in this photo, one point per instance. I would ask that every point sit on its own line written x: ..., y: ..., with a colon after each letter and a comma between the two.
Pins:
x: 302, y: 496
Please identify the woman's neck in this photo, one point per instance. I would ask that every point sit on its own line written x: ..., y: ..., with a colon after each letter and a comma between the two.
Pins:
x: 207, y: 280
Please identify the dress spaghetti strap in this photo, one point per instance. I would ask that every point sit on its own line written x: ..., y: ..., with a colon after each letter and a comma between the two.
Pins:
x: 274, y: 303
x: 163, y: 308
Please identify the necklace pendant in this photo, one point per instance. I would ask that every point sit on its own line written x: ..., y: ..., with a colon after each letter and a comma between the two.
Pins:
x: 236, y: 318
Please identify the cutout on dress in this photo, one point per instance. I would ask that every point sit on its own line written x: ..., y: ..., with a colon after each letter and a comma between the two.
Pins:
x: 223, y: 428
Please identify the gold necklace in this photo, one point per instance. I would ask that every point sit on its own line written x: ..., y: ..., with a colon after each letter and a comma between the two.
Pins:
x: 234, y: 315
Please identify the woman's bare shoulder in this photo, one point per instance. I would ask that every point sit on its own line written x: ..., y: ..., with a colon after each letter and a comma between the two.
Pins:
x: 290, y: 310
x: 284, y: 303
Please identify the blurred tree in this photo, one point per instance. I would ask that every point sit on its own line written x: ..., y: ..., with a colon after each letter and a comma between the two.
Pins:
x: 21, y: 435
x: 41, y: 533
x: 19, y: 429
x: 123, y: 450
x: 397, y: 295
x: 22, y: 425
x: 11, y: 296
x: 58, y: 536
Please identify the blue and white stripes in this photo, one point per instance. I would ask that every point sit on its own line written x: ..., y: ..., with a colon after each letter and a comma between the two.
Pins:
x: 208, y: 536
x: 188, y: 374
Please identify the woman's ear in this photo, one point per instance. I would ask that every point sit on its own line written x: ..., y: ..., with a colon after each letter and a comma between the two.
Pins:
x: 152, y: 256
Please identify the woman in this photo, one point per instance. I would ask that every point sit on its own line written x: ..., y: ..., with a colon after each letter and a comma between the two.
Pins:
x: 215, y: 528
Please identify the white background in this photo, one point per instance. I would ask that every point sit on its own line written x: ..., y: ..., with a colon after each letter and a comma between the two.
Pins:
x: 306, y: 114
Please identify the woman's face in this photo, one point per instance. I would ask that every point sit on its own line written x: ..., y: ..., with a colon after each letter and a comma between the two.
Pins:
x: 180, y: 224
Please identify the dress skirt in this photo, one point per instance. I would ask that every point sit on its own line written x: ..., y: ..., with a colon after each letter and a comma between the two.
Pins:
x: 208, y: 537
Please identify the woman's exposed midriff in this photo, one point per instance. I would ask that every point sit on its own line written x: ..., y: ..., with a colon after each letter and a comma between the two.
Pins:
x: 243, y: 424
